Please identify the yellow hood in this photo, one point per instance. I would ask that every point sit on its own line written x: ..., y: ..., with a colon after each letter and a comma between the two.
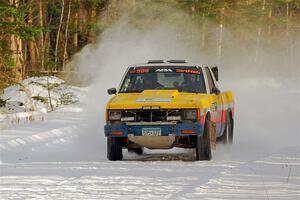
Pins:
x: 166, y: 99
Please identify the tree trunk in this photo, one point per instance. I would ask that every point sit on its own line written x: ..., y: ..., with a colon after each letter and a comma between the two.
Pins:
x: 258, y: 40
x: 203, y: 36
x: 47, y: 46
x: 31, y: 45
x: 32, y: 60
x: 65, y: 57
x: 287, y: 32
x: 16, y: 48
x: 41, y: 39
x: 92, y: 21
x: 220, y: 39
x: 269, y: 26
x: 58, y: 34
x: 49, y: 93
x: 75, y: 34
x: 257, y: 48
x: 82, y: 17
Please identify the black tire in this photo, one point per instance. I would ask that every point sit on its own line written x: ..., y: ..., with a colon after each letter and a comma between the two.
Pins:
x: 230, y: 129
x: 224, y: 137
x: 203, y: 145
x: 138, y: 150
x: 227, y: 136
x: 114, y: 148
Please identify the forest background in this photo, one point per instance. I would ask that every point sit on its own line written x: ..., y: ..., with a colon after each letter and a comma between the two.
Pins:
x: 40, y: 37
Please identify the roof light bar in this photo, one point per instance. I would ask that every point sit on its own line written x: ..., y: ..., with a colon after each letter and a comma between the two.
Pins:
x: 155, y: 61
x: 176, y: 61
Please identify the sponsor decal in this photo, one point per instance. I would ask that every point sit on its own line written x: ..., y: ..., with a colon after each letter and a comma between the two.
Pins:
x: 147, y: 70
x: 191, y: 71
x: 139, y: 71
x: 154, y: 100
x: 164, y: 70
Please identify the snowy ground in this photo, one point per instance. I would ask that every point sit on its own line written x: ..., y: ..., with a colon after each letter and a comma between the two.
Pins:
x: 63, y: 156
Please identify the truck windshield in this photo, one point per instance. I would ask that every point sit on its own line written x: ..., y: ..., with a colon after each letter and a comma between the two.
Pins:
x: 186, y: 79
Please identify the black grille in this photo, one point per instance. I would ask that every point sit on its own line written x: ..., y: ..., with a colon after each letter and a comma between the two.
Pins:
x: 150, y: 115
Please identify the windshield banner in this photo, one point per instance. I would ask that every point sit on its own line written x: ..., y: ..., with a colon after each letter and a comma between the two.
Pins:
x: 164, y: 70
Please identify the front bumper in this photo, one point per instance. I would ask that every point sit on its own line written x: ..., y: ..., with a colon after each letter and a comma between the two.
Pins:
x: 180, y: 129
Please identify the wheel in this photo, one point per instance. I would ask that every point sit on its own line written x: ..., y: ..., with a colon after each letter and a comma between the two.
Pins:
x: 227, y: 136
x: 114, y: 148
x: 138, y: 150
x: 230, y: 130
x: 203, y: 145
x: 224, y: 136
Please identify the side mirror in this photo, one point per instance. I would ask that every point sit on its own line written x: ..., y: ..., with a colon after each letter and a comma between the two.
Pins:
x: 215, y: 71
x: 111, y: 91
x: 215, y: 90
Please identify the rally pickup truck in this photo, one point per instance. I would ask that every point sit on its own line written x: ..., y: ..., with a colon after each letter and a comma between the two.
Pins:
x: 165, y: 104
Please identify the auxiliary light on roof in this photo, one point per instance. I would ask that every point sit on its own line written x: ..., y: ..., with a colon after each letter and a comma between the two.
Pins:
x: 155, y: 61
x: 162, y: 61
x: 176, y: 61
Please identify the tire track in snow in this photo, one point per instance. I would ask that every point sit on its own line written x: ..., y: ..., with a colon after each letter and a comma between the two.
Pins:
x: 274, y: 177
x: 106, y: 180
x: 38, y: 138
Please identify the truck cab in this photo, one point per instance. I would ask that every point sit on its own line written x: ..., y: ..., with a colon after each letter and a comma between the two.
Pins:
x: 165, y: 104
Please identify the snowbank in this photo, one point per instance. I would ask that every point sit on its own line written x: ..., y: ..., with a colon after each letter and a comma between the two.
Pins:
x: 32, y: 98
x: 36, y: 94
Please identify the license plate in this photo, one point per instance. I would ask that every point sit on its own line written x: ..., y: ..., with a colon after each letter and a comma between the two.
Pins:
x: 151, y: 131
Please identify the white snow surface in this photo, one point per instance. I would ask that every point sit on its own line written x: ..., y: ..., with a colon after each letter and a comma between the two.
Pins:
x: 63, y: 156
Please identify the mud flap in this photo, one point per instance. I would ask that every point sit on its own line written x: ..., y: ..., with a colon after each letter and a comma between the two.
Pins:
x: 213, y: 135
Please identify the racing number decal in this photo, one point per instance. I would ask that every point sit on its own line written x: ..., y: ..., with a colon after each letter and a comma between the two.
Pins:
x: 139, y: 71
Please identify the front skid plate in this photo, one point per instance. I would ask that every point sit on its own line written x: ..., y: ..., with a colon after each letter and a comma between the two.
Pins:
x: 153, y: 142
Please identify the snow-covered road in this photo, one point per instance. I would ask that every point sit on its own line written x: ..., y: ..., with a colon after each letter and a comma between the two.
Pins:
x: 271, y: 178
x: 59, y: 158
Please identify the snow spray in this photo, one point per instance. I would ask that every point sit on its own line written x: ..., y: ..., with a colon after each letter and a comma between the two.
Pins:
x: 267, y: 112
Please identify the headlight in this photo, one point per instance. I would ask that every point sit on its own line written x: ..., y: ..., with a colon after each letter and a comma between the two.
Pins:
x: 190, y: 114
x: 114, y: 115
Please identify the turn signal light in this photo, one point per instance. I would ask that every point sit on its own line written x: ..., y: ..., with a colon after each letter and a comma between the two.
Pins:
x: 188, y: 132
x: 117, y: 133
